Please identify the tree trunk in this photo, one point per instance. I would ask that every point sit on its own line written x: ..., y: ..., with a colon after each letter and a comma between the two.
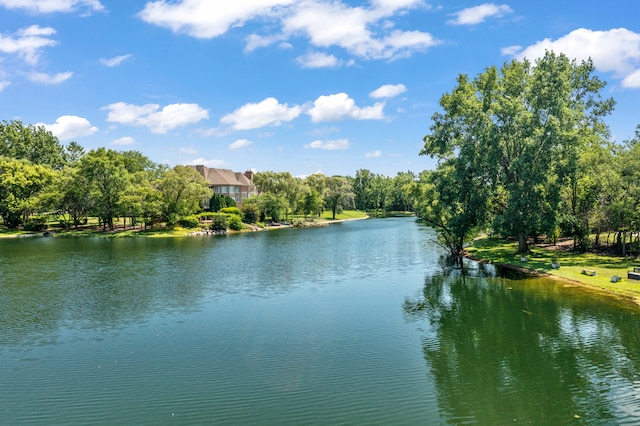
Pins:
x: 522, y: 243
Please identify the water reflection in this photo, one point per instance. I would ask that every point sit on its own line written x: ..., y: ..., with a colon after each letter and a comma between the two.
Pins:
x: 502, y: 351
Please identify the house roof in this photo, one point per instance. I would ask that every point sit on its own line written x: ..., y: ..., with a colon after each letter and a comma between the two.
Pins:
x: 223, y: 176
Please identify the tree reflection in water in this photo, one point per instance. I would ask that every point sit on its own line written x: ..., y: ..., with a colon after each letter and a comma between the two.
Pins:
x: 527, y: 350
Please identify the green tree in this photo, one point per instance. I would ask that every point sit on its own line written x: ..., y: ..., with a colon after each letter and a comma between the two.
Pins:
x: 107, y: 180
x: 73, y: 196
x: 33, y: 143
x: 270, y: 205
x: 182, y: 190
x: 21, y: 185
x: 338, y: 195
x: 531, y: 121
x: 313, y: 203
x: 250, y: 212
x: 73, y: 152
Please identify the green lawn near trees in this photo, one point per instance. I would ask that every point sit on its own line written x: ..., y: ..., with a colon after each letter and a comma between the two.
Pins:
x: 539, y: 259
x: 344, y: 215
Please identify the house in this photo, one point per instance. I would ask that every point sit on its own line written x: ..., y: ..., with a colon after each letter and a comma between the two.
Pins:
x: 236, y: 185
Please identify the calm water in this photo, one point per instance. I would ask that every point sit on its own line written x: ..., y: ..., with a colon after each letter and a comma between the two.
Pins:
x: 357, y: 323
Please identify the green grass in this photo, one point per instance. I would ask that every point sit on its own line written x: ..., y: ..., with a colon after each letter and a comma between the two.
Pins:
x: 571, y: 265
x: 346, y: 214
x: 12, y: 233
x: 128, y: 233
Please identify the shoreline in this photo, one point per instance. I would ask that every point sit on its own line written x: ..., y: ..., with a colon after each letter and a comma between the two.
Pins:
x: 565, y: 282
x: 163, y: 233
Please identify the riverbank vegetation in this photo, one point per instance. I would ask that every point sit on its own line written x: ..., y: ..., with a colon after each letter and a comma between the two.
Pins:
x: 48, y: 187
x: 561, y: 261
x: 523, y: 152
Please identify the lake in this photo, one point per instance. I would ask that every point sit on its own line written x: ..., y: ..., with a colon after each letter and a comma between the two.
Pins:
x: 360, y: 322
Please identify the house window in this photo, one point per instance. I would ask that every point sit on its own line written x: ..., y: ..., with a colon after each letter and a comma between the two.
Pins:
x: 225, y: 189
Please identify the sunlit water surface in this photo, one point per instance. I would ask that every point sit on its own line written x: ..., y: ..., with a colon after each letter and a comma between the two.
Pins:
x: 358, y: 323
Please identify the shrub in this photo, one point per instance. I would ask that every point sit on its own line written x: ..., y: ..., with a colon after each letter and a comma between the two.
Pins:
x: 250, y: 213
x: 36, y: 224
x: 189, y: 222
x: 219, y: 222
x: 231, y: 210
x: 172, y: 219
x: 235, y: 222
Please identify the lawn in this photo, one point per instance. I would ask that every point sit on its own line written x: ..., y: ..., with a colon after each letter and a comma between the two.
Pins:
x: 346, y: 214
x: 571, y: 265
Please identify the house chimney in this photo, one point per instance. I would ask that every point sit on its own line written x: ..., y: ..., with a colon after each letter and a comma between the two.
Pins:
x: 249, y: 175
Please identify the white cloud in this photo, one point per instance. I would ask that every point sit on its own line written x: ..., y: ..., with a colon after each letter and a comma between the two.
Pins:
x: 340, y: 106
x: 115, y: 61
x: 510, y: 50
x: 69, y: 127
x: 366, y: 32
x: 206, y: 18
x: 318, y: 60
x: 616, y: 50
x: 52, y: 6
x: 43, y: 78
x: 337, y: 144
x: 4, y: 84
x: 478, y: 14
x: 27, y: 43
x: 188, y: 150
x: 208, y: 163
x: 363, y: 32
x: 632, y: 80
x: 374, y: 154
x: 265, y: 113
x: 388, y: 91
x: 126, y: 140
x: 155, y: 119
x: 240, y: 143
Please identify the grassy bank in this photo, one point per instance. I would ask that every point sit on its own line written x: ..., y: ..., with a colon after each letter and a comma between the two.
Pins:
x: 571, y: 268
x: 93, y: 230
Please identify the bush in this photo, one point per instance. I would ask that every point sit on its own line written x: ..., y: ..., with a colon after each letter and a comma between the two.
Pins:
x: 172, y: 219
x: 235, y: 222
x: 219, y: 222
x: 36, y: 224
x: 231, y: 210
x: 250, y: 213
x: 189, y: 222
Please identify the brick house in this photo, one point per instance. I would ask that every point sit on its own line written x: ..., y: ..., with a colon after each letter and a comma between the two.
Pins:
x: 236, y: 185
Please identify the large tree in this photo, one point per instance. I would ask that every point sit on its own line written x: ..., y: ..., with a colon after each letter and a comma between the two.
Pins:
x: 338, y: 195
x: 182, y: 191
x: 21, y: 185
x: 107, y: 180
x: 531, y: 121
x: 33, y: 143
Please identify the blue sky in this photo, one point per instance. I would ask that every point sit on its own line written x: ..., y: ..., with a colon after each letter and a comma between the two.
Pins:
x: 303, y: 86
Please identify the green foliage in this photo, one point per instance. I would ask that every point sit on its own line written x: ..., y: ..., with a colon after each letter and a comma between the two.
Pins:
x: 182, y: 190
x: 189, y: 222
x: 235, y: 222
x: 21, y: 186
x: 518, y: 131
x: 217, y: 202
x: 338, y: 195
x: 36, y: 224
x: 313, y: 203
x: 250, y: 212
x: 231, y: 210
x: 281, y: 185
x: 32, y: 143
x: 219, y: 222
x: 106, y: 179
x: 270, y: 205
